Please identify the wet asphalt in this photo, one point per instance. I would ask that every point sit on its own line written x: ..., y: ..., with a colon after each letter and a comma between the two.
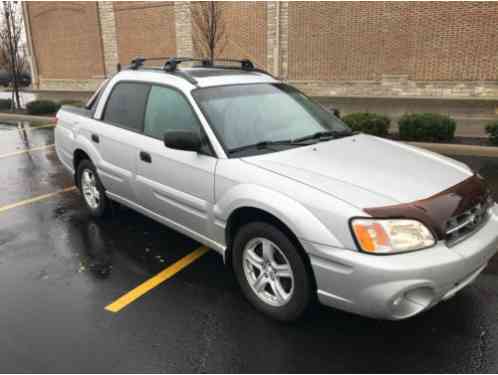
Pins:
x: 59, y: 268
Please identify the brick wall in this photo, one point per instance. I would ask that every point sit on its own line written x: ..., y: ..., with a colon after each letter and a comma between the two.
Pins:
x: 145, y: 29
x: 245, y: 32
x: 428, y: 41
x: 66, y: 40
x: 421, y: 49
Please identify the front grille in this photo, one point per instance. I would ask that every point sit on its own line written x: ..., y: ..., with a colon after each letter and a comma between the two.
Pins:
x: 467, y: 223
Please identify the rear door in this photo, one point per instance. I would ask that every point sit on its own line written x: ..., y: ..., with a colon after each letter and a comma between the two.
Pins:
x: 178, y: 185
x: 121, y: 123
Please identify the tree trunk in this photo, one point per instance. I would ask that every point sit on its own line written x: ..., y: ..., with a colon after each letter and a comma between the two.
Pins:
x: 13, y: 54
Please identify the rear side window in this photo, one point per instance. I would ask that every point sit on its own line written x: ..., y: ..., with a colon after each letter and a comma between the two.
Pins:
x: 126, y: 105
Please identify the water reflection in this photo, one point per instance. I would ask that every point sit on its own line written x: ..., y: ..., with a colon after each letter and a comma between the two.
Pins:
x: 97, y: 249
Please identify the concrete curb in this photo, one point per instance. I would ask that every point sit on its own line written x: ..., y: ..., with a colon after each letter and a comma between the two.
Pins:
x: 455, y: 149
x: 22, y: 117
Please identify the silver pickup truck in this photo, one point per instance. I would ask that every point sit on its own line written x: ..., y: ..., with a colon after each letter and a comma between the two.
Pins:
x: 299, y: 206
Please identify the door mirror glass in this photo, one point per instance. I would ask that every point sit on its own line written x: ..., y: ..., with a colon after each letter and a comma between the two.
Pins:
x: 182, y: 140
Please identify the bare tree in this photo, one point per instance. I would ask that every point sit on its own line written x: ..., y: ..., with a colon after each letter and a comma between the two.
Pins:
x: 209, y: 28
x: 10, y: 46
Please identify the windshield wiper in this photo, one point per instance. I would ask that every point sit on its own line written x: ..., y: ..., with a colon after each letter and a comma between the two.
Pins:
x: 262, y: 145
x: 318, y: 136
x: 323, y: 136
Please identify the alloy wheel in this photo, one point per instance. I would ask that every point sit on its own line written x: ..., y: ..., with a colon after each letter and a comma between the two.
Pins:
x: 268, y: 271
x: 89, y: 189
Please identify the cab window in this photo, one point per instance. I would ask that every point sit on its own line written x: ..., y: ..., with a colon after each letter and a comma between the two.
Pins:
x: 167, y: 110
x: 126, y: 105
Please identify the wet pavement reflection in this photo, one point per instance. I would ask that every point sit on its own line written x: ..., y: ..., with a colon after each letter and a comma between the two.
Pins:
x: 59, y: 268
x: 21, y: 137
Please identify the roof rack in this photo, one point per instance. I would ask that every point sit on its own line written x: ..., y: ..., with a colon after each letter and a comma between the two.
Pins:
x: 139, y: 61
x: 171, y: 64
x: 245, y: 65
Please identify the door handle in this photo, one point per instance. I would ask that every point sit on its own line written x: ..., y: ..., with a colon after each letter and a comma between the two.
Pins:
x: 145, y: 157
x: 95, y: 138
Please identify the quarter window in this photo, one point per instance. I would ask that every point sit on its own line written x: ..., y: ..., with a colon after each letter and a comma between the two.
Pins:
x: 126, y: 105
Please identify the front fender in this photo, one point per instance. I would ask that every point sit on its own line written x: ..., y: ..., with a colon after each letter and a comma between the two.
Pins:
x: 297, y: 217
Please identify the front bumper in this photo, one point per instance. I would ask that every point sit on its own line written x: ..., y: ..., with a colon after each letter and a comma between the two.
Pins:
x: 403, y: 285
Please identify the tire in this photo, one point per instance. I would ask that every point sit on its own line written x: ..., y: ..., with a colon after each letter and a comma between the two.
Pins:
x: 99, y: 205
x: 286, y: 301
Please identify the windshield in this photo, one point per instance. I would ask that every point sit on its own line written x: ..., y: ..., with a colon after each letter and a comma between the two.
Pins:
x: 244, y: 115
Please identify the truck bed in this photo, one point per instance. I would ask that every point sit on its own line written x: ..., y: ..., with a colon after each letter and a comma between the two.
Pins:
x: 77, y: 110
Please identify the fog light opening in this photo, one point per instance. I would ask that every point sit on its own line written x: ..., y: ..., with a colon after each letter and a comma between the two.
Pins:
x: 412, y: 302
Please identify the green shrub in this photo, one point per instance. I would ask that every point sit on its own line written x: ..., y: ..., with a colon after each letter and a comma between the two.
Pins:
x: 42, y: 107
x: 431, y: 127
x: 5, y: 103
x: 369, y: 123
x: 492, y: 131
x: 74, y: 103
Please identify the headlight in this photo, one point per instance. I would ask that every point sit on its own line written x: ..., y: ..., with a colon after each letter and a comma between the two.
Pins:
x: 390, y: 236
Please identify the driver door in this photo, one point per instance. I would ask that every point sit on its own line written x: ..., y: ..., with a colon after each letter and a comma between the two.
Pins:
x: 177, y: 185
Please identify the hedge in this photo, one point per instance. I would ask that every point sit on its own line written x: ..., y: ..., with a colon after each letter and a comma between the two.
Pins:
x: 5, y: 103
x: 492, y: 131
x: 42, y: 107
x: 429, y: 127
x: 369, y: 123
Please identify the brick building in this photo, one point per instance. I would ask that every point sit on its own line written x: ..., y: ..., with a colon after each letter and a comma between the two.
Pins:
x: 342, y: 49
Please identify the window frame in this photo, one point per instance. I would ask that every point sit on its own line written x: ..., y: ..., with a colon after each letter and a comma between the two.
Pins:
x: 93, y: 102
x: 104, y: 110
x: 203, y: 132
x: 215, y: 131
x: 100, y: 118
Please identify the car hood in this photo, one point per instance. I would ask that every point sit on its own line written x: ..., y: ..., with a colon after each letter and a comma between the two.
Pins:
x: 366, y: 171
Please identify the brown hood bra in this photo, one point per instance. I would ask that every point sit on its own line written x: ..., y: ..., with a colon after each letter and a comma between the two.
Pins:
x: 436, y: 210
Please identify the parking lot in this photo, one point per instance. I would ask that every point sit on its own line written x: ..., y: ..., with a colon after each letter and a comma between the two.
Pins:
x: 62, y: 274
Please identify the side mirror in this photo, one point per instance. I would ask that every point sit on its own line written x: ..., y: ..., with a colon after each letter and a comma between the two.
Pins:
x: 182, y: 140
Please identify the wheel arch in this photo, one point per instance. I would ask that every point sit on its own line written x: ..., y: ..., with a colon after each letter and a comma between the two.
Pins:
x: 84, y: 149
x: 248, y: 214
x: 299, y: 219
x: 78, y: 156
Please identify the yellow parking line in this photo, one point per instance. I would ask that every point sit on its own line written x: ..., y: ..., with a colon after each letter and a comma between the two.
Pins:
x: 35, y: 199
x: 154, y: 281
x: 25, y: 151
x: 38, y: 127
